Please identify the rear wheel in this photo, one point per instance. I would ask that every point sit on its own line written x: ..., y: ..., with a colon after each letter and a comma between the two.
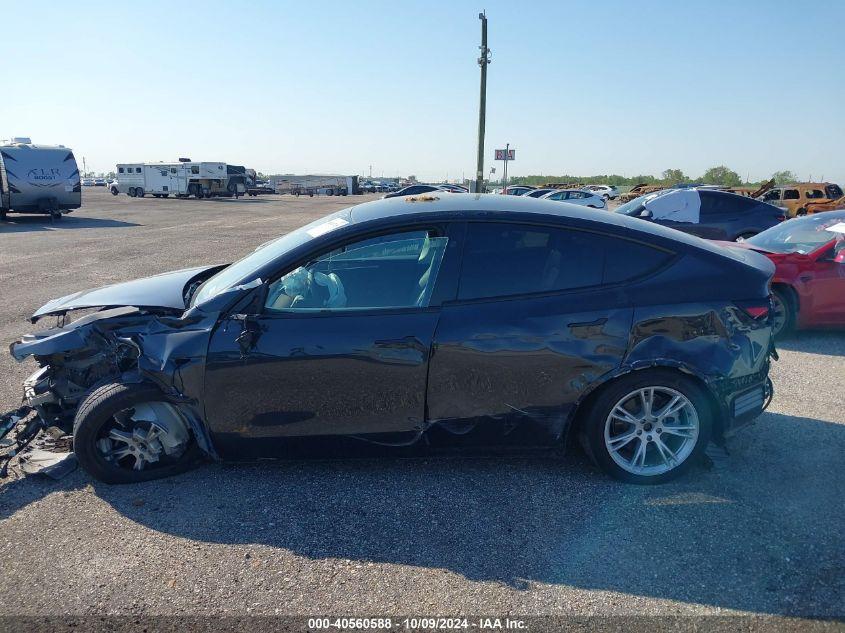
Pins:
x: 131, y: 192
x: 114, y: 191
x: 139, y: 192
x: 648, y: 427
x: 783, y: 313
x: 129, y: 433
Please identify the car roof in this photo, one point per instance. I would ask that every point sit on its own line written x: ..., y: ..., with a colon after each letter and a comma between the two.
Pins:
x: 487, y: 206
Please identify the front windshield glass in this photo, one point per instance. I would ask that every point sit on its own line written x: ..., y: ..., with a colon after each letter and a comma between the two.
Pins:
x: 801, y: 235
x: 241, y: 270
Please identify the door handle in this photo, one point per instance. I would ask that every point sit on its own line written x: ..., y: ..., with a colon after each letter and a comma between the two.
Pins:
x: 595, y: 323
x: 406, y: 341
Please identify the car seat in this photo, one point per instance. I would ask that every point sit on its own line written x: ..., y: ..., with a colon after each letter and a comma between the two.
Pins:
x: 331, y: 282
x: 426, y: 259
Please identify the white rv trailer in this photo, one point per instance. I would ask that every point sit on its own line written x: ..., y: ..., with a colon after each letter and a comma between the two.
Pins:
x: 327, y: 185
x: 181, y: 179
x: 38, y: 179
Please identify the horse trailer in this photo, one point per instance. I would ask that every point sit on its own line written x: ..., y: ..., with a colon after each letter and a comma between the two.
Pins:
x: 182, y: 179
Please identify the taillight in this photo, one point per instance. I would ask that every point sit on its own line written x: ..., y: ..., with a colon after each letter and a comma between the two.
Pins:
x: 757, y: 310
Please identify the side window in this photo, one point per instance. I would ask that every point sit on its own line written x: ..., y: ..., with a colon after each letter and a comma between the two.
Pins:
x: 791, y: 194
x: 392, y: 271
x: 195, y: 169
x: 833, y: 191
x: 120, y: 170
x: 814, y: 194
x: 709, y: 203
x: 774, y: 194
x: 625, y: 260
x: 509, y: 259
x: 172, y: 170
x: 137, y: 170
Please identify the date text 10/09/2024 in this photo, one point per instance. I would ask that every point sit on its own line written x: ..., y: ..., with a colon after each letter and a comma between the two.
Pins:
x: 416, y: 623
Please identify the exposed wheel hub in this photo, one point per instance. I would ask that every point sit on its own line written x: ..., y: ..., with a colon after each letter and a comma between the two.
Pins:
x: 144, y: 435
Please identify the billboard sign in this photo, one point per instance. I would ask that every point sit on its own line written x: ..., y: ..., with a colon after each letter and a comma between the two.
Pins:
x: 500, y: 154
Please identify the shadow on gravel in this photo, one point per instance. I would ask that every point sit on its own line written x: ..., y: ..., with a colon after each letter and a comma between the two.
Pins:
x: 828, y: 343
x: 26, y: 223
x: 760, y: 532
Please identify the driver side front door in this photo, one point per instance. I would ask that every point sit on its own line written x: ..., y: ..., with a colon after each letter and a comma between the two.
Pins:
x: 341, y: 348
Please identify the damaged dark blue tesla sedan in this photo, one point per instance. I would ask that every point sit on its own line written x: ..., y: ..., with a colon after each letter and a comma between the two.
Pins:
x: 497, y: 319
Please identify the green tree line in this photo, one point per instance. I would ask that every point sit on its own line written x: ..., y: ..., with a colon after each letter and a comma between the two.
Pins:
x: 719, y: 175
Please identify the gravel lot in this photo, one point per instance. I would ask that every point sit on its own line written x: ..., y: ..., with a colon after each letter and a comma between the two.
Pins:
x: 762, y: 532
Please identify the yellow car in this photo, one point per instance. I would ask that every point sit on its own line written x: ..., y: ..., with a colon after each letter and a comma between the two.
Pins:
x: 795, y: 198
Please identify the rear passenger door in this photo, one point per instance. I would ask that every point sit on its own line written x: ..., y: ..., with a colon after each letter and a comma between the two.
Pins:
x: 541, y: 313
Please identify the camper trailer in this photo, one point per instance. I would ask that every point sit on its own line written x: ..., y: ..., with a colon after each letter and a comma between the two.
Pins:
x: 38, y: 179
x: 182, y: 179
x: 310, y: 185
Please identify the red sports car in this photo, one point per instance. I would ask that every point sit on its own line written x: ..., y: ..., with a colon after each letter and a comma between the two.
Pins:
x: 809, y: 284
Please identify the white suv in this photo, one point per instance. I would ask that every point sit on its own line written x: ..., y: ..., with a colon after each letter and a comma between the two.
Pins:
x: 608, y: 192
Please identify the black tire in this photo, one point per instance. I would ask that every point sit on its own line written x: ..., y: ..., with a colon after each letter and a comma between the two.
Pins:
x: 139, y: 192
x: 98, y: 410
x: 783, y: 319
x: 800, y: 213
x: 602, y: 403
x: 3, y: 215
x: 745, y: 236
x: 114, y: 191
x: 131, y: 192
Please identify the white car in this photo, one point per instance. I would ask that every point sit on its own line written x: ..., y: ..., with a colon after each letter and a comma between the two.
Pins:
x: 607, y: 192
x: 577, y: 196
x: 87, y: 182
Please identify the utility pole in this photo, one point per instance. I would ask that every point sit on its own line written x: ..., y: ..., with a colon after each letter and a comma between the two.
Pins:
x: 482, y: 107
x: 505, y: 174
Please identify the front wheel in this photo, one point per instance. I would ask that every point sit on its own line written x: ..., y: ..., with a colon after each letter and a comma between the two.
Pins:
x: 648, y: 427
x: 783, y: 314
x: 127, y: 433
x: 114, y: 191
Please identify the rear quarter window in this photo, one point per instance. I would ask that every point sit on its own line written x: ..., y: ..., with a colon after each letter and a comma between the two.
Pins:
x: 833, y: 191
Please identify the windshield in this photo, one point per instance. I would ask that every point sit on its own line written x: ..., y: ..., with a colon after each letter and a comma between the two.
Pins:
x: 801, y: 235
x: 241, y: 270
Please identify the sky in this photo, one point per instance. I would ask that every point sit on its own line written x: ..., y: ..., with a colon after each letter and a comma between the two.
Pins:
x: 576, y: 87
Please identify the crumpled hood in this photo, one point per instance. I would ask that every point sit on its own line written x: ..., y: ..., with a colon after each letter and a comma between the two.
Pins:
x: 160, y: 291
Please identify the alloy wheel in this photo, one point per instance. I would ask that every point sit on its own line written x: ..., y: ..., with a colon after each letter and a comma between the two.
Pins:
x: 779, y: 314
x: 144, y: 436
x: 651, y: 430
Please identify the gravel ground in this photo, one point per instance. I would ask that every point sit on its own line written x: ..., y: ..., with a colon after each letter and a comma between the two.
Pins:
x: 761, y: 532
